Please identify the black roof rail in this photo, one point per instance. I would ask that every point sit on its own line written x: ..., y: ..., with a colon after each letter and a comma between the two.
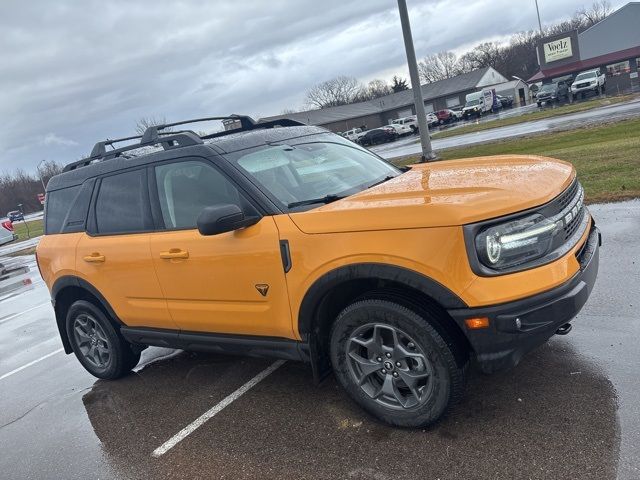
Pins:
x: 154, y: 135
x: 168, y: 140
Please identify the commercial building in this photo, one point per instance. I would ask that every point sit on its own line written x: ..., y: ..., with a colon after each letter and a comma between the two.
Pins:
x: 448, y: 93
x: 613, y: 45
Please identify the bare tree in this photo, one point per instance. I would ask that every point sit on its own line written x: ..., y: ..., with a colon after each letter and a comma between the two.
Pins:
x: 399, y: 84
x: 146, y: 122
x: 375, y: 89
x: 340, y: 90
x: 438, y: 66
x: 599, y: 10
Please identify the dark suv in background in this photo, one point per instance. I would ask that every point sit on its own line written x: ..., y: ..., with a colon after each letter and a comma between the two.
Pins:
x: 552, y: 92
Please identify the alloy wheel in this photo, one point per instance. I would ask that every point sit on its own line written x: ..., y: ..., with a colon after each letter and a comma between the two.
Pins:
x: 389, y: 366
x: 92, y: 340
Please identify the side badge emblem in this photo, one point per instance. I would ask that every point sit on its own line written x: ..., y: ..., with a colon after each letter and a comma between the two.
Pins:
x: 263, y: 288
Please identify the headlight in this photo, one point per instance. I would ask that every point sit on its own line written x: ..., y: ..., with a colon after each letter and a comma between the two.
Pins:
x: 519, y: 241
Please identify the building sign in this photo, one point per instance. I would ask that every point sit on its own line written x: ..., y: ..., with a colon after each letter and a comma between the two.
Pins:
x: 557, y: 50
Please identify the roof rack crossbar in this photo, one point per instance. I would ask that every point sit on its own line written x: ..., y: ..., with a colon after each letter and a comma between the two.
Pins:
x: 154, y: 135
x: 100, y: 148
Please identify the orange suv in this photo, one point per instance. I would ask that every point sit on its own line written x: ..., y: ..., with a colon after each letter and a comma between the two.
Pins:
x: 280, y: 239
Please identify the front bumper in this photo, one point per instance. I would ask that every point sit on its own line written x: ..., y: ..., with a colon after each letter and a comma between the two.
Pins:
x: 517, y: 327
x: 588, y: 88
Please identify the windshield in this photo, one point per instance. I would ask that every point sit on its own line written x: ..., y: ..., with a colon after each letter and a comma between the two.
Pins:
x: 293, y: 174
x: 472, y: 103
x: 548, y: 87
x: 584, y: 76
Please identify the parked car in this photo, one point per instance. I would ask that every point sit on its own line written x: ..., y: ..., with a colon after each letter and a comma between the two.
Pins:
x: 15, y: 216
x: 378, y: 135
x: 6, y: 231
x: 410, y: 122
x: 458, y: 113
x: 287, y: 240
x: 588, y: 81
x: 506, y: 102
x: 400, y: 129
x: 354, y: 134
x: 446, y: 116
x: 552, y: 92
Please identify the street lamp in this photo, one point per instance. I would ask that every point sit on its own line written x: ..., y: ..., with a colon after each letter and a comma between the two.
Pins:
x: 425, y: 140
x: 44, y: 188
x: 539, y: 22
x: 24, y: 221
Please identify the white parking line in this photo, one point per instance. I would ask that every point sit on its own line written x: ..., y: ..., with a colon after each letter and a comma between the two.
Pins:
x: 11, y: 317
x: 19, y: 369
x: 202, y: 419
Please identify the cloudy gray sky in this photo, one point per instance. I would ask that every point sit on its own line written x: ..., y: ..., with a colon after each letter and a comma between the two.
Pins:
x: 77, y: 71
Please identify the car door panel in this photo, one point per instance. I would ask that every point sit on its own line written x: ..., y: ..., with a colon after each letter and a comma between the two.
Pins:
x: 232, y: 282
x: 217, y: 288
x: 121, y: 269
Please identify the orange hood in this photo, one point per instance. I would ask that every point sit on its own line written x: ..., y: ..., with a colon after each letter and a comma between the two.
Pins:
x: 447, y: 193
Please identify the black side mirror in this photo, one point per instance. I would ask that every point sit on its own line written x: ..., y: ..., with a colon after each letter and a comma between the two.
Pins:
x: 223, y: 218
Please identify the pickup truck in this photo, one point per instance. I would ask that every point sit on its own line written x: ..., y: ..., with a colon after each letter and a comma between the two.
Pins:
x: 588, y: 81
x: 410, y: 123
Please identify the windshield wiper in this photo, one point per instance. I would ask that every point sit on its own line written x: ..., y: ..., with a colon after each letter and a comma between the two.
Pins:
x: 388, y: 177
x: 332, y: 197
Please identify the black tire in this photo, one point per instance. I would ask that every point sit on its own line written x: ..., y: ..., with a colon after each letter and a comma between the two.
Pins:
x: 434, y: 362
x: 84, y: 317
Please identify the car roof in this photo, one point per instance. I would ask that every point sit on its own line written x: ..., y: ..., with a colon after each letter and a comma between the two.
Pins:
x: 212, y: 144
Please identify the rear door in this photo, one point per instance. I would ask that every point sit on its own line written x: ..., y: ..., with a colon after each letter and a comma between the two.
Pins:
x: 114, y: 254
x: 233, y: 282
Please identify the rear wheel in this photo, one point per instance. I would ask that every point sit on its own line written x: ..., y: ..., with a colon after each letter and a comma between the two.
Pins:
x: 394, y: 363
x: 101, y: 350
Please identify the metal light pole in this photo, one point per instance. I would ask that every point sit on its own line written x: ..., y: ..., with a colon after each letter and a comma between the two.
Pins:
x: 44, y: 188
x: 425, y: 140
x: 539, y: 22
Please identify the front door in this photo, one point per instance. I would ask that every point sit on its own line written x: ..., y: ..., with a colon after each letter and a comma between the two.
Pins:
x: 233, y: 282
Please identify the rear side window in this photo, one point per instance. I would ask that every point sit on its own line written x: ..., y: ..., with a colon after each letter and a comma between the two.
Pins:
x: 122, y: 205
x: 59, y: 202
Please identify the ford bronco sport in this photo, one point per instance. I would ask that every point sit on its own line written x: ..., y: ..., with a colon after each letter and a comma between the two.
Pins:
x: 287, y: 240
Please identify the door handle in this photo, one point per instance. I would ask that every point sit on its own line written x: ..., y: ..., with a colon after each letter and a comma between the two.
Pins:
x: 174, y: 253
x: 95, y: 257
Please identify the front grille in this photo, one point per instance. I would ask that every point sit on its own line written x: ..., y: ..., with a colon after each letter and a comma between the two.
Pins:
x: 582, y: 85
x: 573, y: 225
x: 565, y: 197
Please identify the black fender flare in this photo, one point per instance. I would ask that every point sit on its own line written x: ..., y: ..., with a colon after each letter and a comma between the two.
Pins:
x: 72, y: 281
x: 377, y: 271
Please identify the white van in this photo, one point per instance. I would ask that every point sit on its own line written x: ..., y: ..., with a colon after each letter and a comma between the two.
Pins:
x: 478, y: 103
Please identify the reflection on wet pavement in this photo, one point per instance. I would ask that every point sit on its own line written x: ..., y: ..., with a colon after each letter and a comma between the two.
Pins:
x: 552, y: 417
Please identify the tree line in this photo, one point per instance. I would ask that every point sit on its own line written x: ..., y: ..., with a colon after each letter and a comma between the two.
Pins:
x: 23, y: 188
x: 516, y: 57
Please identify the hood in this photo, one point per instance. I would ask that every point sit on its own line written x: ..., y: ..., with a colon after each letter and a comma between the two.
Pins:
x: 447, y: 193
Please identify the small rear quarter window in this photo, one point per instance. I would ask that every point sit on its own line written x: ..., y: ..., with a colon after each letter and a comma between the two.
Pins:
x: 59, y: 202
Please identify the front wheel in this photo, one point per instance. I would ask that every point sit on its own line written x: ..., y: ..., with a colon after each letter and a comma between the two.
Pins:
x: 394, y: 363
x: 101, y: 350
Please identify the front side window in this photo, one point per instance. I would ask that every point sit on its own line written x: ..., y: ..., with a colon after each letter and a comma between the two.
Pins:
x: 121, y: 206
x: 307, y: 171
x: 186, y: 188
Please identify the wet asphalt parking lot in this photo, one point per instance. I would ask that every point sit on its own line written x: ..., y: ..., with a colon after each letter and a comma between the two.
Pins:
x: 569, y: 410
